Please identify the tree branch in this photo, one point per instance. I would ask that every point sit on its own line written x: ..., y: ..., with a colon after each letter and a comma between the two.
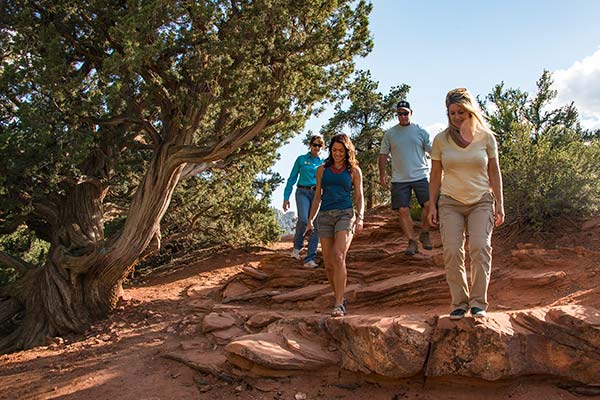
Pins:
x: 21, y: 266
x: 125, y: 120
x: 196, y: 155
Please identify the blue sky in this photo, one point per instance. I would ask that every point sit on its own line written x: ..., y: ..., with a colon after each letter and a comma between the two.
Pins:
x: 437, y: 45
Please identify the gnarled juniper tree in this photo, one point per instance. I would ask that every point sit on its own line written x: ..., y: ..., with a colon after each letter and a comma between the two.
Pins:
x: 105, y: 104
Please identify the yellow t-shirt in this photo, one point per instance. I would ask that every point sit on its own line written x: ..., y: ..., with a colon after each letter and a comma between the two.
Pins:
x: 465, y: 171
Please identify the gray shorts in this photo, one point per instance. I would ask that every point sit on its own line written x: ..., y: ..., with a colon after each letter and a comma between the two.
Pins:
x: 401, y: 192
x: 332, y: 221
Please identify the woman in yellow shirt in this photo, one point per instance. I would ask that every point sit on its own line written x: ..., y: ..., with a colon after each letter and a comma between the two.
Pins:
x: 466, y: 175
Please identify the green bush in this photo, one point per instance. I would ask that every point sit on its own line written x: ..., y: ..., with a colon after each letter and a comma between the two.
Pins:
x: 23, y: 244
x: 546, y: 179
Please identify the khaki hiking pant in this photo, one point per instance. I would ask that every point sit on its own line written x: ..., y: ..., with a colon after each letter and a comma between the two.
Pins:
x: 477, y: 220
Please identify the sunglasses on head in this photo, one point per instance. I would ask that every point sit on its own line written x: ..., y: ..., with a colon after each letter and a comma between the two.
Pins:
x: 403, y: 113
x: 317, y: 145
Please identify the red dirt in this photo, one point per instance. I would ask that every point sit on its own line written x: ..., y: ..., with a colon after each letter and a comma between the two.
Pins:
x: 122, y: 357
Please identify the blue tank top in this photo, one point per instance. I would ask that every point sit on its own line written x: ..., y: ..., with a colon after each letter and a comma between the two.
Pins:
x: 337, y: 190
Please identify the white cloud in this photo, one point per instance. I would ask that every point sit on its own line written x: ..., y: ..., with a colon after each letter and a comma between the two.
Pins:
x: 435, y: 128
x: 581, y: 83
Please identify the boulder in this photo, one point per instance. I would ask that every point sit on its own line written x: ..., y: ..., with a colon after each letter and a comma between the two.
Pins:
x: 215, y: 321
x: 262, y: 319
x: 560, y: 341
x: 287, y: 348
x: 386, y: 346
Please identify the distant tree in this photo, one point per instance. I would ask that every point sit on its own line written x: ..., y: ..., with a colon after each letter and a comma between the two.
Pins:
x: 363, y: 114
x: 514, y: 105
x: 550, y: 164
x: 106, y: 105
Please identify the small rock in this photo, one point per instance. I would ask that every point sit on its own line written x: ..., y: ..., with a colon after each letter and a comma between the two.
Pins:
x: 300, y: 396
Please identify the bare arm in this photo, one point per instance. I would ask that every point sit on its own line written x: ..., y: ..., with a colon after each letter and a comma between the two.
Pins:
x: 383, y: 179
x: 357, y: 181
x: 435, y: 182
x: 316, y: 201
x: 495, y: 177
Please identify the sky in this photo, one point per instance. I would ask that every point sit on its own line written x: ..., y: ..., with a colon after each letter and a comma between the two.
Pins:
x: 438, y: 45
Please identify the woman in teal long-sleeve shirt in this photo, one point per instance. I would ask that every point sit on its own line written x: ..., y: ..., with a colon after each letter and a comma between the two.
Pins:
x: 304, y: 171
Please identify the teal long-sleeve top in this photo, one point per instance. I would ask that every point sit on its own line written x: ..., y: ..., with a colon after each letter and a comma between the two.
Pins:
x: 306, y: 167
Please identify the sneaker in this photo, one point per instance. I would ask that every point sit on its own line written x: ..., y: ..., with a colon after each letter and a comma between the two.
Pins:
x: 311, y: 264
x: 338, y: 311
x: 296, y: 253
x: 459, y: 313
x: 477, y: 312
x: 425, y: 241
x: 412, y: 248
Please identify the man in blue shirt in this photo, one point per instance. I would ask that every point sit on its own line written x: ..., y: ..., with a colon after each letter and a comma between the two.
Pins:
x: 305, y: 168
x: 408, y: 145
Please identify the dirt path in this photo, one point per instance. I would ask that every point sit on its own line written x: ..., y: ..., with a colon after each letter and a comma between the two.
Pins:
x: 123, y: 357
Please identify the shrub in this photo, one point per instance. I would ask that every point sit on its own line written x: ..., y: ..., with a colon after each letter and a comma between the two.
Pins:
x: 546, y: 179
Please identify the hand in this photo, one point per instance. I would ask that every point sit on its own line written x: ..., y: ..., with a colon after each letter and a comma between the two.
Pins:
x: 499, y: 215
x: 309, y: 230
x: 432, y: 217
x: 286, y: 205
x: 383, y: 180
x: 358, y: 226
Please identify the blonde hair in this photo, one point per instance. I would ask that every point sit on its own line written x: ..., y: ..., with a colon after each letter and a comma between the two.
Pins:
x: 465, y: 99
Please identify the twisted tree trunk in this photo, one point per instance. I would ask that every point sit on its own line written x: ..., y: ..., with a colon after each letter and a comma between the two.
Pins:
x: 82, y: 277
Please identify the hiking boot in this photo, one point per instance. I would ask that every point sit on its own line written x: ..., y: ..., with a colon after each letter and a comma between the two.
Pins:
x: 459, y: 313
x: 425, y: 240
x: 311, y: 264
x: 412, y: 248
x: 477, y: 312
x: 296, y: 253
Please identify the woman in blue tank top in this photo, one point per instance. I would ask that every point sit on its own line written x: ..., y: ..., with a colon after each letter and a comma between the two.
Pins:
x: 336, y: 220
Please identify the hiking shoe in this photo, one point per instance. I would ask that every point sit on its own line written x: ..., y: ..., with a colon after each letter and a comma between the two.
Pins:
x: 412, y: 248
x: 477, y: 312
x: 338, y: 311
x: 311, y: 264
x: 425, y: 240
x: 296, y: 253
x: 459, y: 313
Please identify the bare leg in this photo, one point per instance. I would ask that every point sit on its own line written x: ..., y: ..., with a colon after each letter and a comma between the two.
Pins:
x: 340, y: 249
x: 424, y: 219
x: 328, y: 252
x: 406, y: 222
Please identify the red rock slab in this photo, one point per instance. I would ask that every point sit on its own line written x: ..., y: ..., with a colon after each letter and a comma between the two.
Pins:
x: 215, y: 321
x: 279, y: 353
x: 393, y: 347
x: 559, y: 341
x: 398, y: 284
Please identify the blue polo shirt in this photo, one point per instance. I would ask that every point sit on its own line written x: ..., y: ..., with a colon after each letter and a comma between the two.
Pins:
x: 306, y: 167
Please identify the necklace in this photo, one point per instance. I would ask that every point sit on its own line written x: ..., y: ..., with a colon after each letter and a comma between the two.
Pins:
x: 337, y: 170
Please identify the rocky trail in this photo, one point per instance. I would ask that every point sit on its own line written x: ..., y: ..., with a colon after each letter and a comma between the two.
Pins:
x: 256, y: 325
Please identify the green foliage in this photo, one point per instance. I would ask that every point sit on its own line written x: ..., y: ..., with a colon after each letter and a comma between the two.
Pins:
x: 26, y: 246
x: 222, y: 208
x: 92, y: 91
x: 367, y: 112
x: 550, y: 164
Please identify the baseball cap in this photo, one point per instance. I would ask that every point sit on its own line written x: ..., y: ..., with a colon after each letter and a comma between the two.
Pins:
x: 403, y: 104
